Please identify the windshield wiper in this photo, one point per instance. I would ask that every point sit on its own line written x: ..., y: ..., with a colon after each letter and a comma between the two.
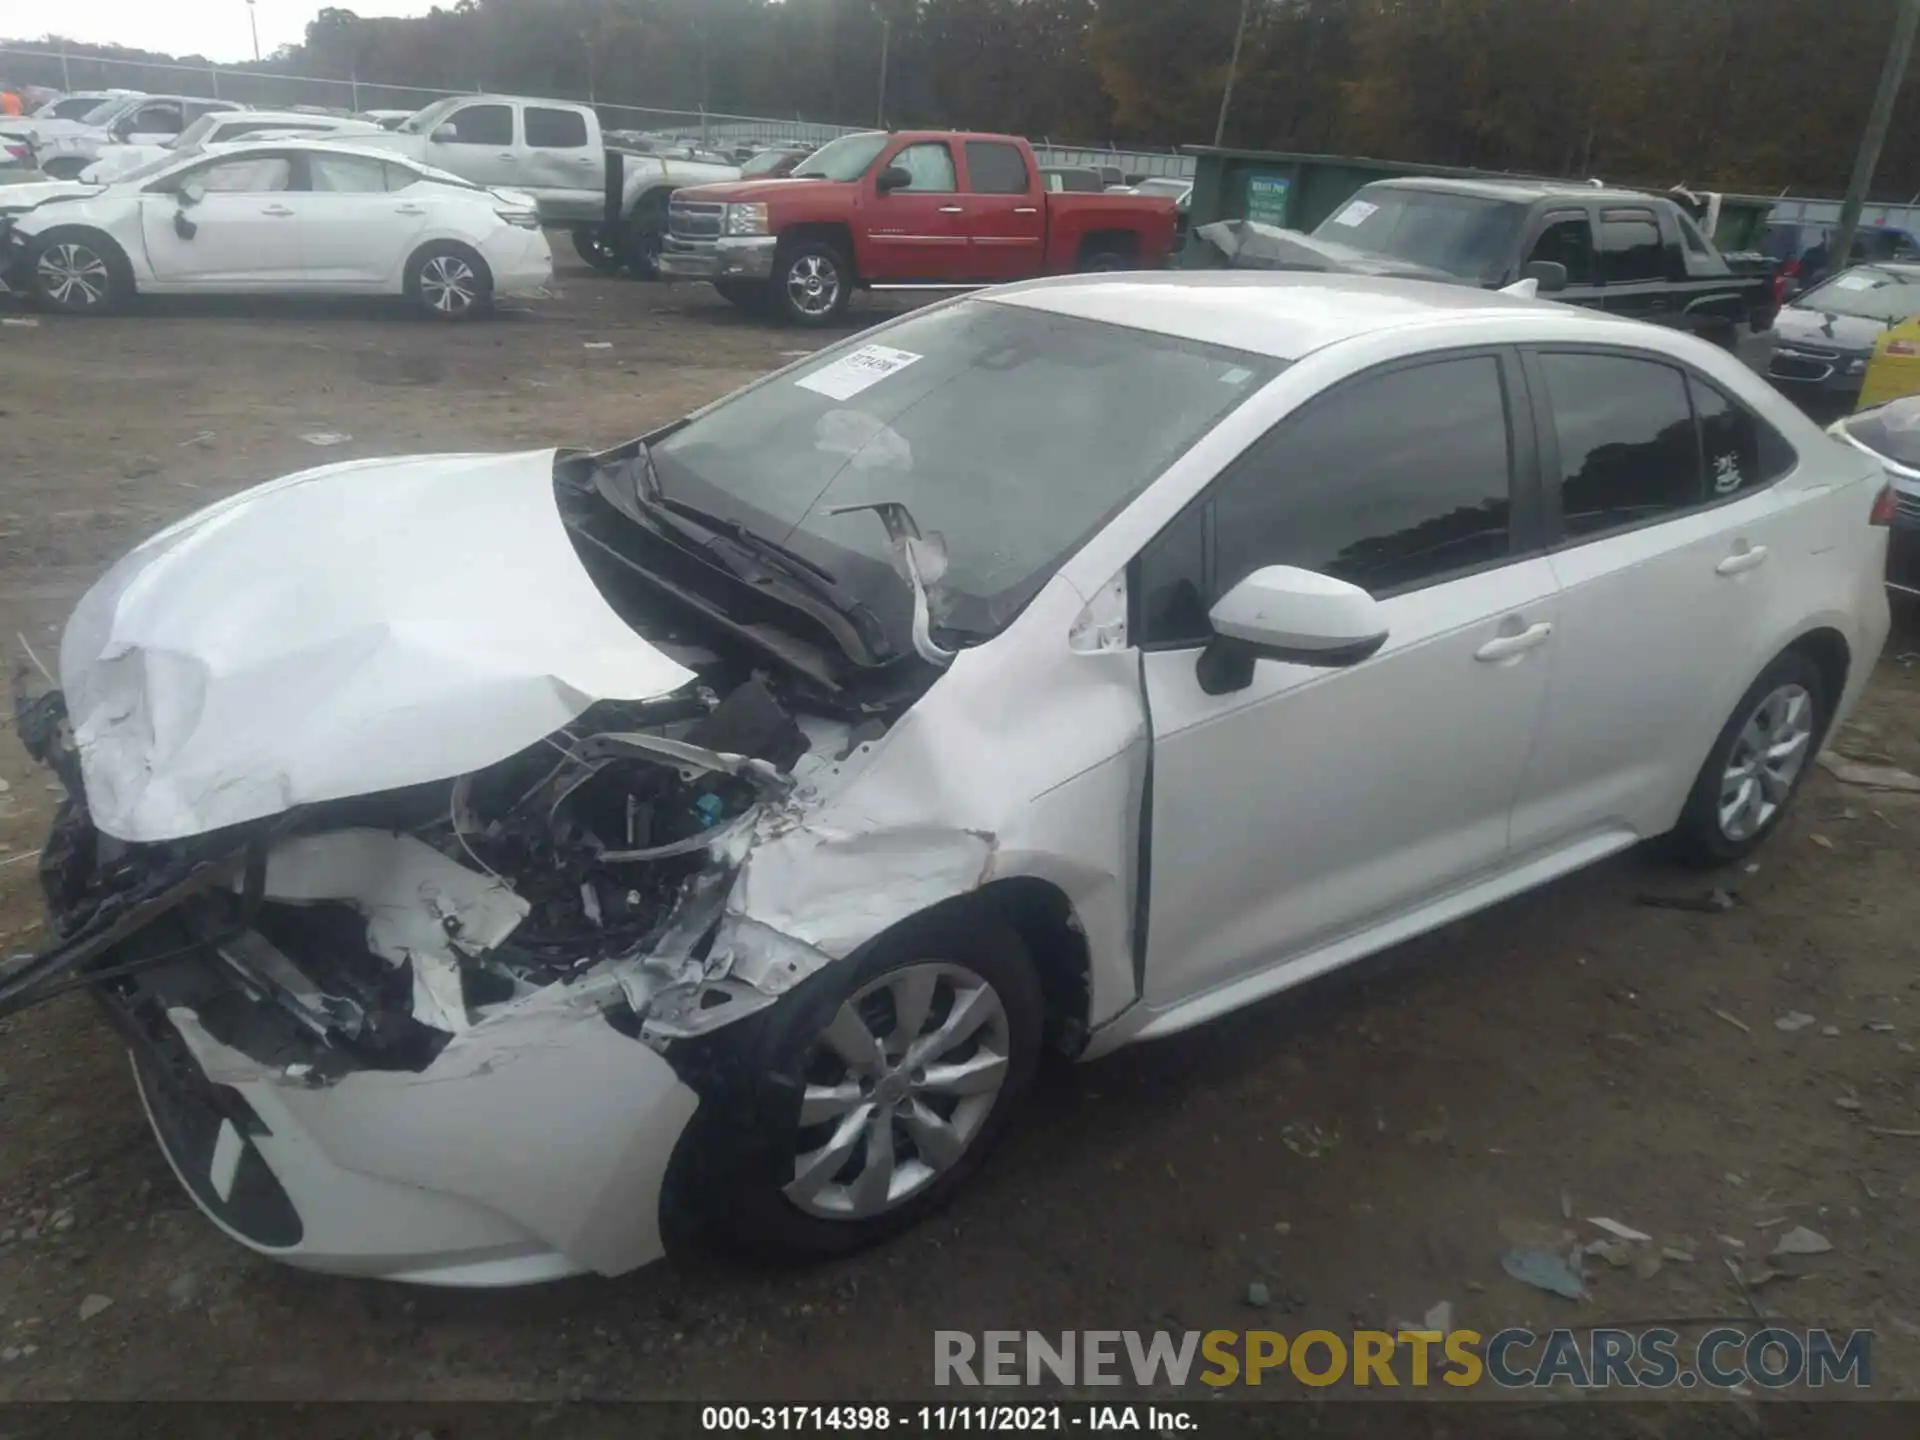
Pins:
x: 647, y: 487
x: 910, y: 545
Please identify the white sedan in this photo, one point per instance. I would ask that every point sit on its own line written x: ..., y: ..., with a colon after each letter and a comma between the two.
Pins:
x: 1064, y: 665
x: 221, y: 128
x: 280, y: 217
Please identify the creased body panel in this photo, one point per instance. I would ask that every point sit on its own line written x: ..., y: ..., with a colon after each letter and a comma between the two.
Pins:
x: 222, y: 672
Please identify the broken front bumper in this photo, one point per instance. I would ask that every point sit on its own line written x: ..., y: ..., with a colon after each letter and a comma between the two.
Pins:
x: 547, y: 1159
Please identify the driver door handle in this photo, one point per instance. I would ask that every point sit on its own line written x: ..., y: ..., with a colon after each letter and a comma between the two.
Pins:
x: 1505, y: 647
x: 276, y: 210
x: 951, y: 210
x: 507, y: 155
x: 409, y: 209
x: 1742, y: 561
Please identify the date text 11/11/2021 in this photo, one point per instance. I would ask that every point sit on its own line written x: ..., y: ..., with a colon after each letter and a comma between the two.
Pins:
x: 942, y: 1419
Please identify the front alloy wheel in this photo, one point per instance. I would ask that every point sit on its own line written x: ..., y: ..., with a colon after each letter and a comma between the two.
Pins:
x: 812, y: 284
x: 1767, y: 758
x: 898, y: 1087
x: 74, y: 276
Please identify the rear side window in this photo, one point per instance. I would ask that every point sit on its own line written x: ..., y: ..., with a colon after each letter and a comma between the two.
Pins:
x: 1390, y: 482
x: 483, y: 124
x: 1628, y: 449
x: 1739, y: 449
x: 1630, y: 248
x: 553, y: 129
x: 994, y: 168
x: 346, y: 174
x: 1568, y: 240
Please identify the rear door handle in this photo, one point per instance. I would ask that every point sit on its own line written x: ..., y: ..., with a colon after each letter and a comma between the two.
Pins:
x: 950, y: 210
x: 409, y: 209
x: 1505, y: 647
x: 1742, y: 561
x: 276, y: 210
x: 508, y: 155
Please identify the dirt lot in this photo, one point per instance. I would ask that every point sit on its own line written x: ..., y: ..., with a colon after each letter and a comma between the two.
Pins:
x: 1356, y: 1149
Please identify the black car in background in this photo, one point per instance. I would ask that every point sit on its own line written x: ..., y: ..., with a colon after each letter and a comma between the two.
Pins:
x: 1801, y: 249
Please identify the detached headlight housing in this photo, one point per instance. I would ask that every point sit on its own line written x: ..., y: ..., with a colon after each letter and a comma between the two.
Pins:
x: 747, y: 219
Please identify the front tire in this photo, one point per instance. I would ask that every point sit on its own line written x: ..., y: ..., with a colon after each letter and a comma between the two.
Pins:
x: 80, y: 273
x: 449, y: 282
x: 1764, y: 753
x: 643, y: 235
x: 812, y: 283
x: 593, y: 245
x: 883, y: 1086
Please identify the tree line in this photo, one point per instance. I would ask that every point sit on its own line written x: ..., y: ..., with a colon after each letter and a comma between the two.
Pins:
x: 1759, y: 95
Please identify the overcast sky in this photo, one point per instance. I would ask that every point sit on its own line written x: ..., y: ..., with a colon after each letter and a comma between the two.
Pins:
x: 214, y: 28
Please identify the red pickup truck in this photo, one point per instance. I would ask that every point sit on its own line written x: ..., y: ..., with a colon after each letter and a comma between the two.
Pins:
x: 906, y: 208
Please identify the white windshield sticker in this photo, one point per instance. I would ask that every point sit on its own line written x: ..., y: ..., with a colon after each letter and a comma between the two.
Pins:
x: 1236, y: 376
x: 863, y: 369
x: 1856, y: 282
x: 1356, y: 211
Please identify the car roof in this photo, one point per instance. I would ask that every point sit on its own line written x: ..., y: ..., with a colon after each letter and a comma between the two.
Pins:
x: 325, y: 144
x: 1276, y: 313
x: 301, y: 116
x: 1519, y: 191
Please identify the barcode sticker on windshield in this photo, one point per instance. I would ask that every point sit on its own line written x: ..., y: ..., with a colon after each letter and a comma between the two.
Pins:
x: 1356, y: 211
x: 850, y: 374
x: 1856, y: 282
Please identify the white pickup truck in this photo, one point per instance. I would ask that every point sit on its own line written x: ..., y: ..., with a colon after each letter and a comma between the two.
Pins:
x: 554, y: 151
x: 64, y: 147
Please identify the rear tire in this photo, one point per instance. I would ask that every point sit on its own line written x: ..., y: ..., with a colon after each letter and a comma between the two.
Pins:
x: 1105, y: 260
x: 812, y: 282
x: 1764, y: 753
x: 778, y: 1198
x: 80, y: 272
x: 449, y: 282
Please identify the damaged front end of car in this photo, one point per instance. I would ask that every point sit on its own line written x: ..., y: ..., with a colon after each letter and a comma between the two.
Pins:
x: 307, y: 910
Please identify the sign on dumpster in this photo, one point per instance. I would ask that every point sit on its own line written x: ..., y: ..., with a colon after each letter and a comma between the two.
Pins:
x: 1267, y: 198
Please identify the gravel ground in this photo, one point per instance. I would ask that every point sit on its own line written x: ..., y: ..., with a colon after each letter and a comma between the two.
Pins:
x: 1362, y: 1150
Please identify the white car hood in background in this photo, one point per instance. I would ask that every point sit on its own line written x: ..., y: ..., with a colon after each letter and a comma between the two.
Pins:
x: 339, y: 632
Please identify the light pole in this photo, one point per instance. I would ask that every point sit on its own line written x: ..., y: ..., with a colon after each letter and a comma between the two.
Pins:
x: 1878, y: 121
x: 886, y: 32
x: 1233, y: 66
x: 254, y: 25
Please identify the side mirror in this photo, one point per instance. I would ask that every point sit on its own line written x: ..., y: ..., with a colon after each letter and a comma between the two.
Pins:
x: 190, y: 194
x: 895, y: 177
x: 1549, y: 275
x: 123, y: 130
x: 448, y: 134
x: 1292, y: 615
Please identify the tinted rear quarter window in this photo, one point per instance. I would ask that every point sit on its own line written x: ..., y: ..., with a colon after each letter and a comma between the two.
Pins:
x: 994, y: 168
x: 1740, y: 450
x: 1628, y: 449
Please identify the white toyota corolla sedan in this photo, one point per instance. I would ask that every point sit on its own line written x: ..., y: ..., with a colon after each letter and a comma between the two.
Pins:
x: 493, y: 861
x: 279, y: 217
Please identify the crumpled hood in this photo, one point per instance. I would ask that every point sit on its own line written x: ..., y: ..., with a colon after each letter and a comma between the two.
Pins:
x: 339, y: 632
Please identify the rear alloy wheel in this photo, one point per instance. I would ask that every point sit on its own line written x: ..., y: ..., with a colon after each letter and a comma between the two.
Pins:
x: 812, y: 284
x: 1105, y: 260
x: 449, y: 284
x: 1763, y: 754
x: 78, y: 275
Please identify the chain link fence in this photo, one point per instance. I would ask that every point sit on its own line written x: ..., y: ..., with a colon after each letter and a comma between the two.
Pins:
x: 55, y: 68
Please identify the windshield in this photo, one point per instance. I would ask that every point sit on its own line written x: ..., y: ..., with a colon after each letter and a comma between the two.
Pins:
x: 104, y: 110
x: 767, y: 162
x: 1010, y: 434
x: 423, y: 122
x: 198, y: 131
x: 1891, y: 430
x: 1868, y: 293
x: 145, y: 171
x: 73, y: 107
x: 844, y: 159
x: 1463, y: 235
